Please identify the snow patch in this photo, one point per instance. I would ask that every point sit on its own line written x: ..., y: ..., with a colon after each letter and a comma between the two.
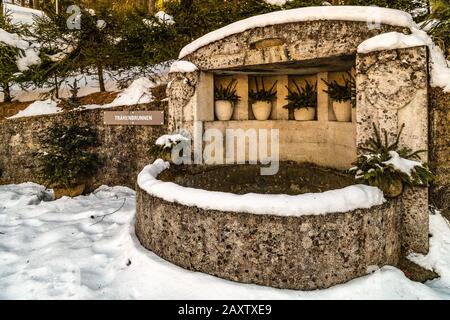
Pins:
x: 391, y: 40
x: 137, y: 93
x: 277, y: 2
x: 168, y: 140
x: 38, y: 108
x: 164, y: 18
x: 341, y: 13
x: 401, y: 164
x: 98, y: 256
x: 21, y: 14
x: 28, y: 52
x: 183, y: 67
x: 438, y: 258
x: 342, y: 200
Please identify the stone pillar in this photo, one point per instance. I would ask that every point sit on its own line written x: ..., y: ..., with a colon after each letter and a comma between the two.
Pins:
x: 278, y: 110
x: 392, y: 89
x: 181, y: 91
x: 323, y: 103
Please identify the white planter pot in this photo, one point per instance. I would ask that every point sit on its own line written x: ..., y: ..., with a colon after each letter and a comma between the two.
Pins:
x: 305, y: 114
x: 342, y: 111
x: 223, y: 110
x: 261, y: 110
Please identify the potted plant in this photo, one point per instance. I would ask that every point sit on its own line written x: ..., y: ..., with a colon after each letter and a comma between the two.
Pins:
x: 67, y: 162
x: 225, y: 99
x: 303, y: 101
x: 344, y: 97
x: 162, y: 148
x: 261, y: 100
x: 389, y: 167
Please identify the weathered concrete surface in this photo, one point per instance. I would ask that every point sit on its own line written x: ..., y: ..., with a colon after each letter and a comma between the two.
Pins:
x: 392, y: 89
x: 326, y: 143
x: 440, y: 148
x: 308, y: 252
x: 289, y: 42
x: 123, y: 150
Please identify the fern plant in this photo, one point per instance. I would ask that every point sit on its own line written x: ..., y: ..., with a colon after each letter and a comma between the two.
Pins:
x: 261, y: 93
x: 378, y: 166
x: 303, y: 97
x: 345, y: 92
x: 227, y: 93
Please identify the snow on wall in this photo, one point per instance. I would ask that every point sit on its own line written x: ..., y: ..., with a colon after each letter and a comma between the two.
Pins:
x: 342, y: 200
x: 183, y: 67
x: 341, y: 13
x: 440, y: 68
x: 390, y: 40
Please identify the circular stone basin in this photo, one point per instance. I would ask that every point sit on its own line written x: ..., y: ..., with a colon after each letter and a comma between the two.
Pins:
x: 292, y: 178
x: 291, y: 240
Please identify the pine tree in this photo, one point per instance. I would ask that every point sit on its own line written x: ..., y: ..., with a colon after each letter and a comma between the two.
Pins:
x: 439, y: 22
x: 8, y: 56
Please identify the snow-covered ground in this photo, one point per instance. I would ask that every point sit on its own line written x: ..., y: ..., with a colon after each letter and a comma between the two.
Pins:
x: 21, y: 14
x: 85, y: 248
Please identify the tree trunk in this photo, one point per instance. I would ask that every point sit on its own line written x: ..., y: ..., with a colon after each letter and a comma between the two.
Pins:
x: 56, y: 87
x: 101, y: 79
x: 151, y: 6
x: 35, y: 4
x: 22, y: 3
x: 6, y: 93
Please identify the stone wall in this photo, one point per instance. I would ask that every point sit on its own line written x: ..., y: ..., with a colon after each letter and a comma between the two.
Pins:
x: 307, y: 252
x: 392, y: 89
x: 123, y: 150
x: 286, y: 42
x: 439, y: 151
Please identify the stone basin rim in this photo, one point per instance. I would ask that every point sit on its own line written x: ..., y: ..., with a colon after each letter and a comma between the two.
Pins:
x: 334, y: 201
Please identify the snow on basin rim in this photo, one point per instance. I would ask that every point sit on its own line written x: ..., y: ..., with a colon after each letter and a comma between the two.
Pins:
x: 341, y: 200
x: 341, y: 13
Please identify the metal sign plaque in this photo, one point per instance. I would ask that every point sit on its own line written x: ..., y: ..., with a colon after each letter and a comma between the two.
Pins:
x: 134, y: 118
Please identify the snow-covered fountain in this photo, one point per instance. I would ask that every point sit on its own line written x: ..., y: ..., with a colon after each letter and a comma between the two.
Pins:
x: 282, y: 231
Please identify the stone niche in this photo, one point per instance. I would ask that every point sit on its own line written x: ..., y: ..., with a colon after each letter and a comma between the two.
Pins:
x: 392, y: 89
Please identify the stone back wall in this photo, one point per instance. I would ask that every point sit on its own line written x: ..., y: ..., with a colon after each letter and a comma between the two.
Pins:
x: 297, y: 41
x: 439, y: 152
x: 123, y: 150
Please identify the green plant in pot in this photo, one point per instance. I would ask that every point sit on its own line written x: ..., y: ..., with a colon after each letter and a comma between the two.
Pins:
x: 302, y: 101
x: 162, y: 148
x: 261, y: 99
x: 67, y: 161
x: 343, y: 96
x: 387, y: 166
x: 225, y: 98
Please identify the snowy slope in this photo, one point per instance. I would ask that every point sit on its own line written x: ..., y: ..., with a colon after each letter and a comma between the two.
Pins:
x: 20, y: 14
x: 85, y: 248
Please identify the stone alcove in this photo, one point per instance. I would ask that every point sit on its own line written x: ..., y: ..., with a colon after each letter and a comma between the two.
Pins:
x: 392, y: 89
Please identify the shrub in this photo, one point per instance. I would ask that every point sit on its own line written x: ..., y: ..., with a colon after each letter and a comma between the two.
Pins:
x: 342, y: 93
x: 384, y: 164
x: 304, y: 97
x: 67, y: 159
x: 162, y: 148
x: 262, y: 94
x: 227, y: 93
